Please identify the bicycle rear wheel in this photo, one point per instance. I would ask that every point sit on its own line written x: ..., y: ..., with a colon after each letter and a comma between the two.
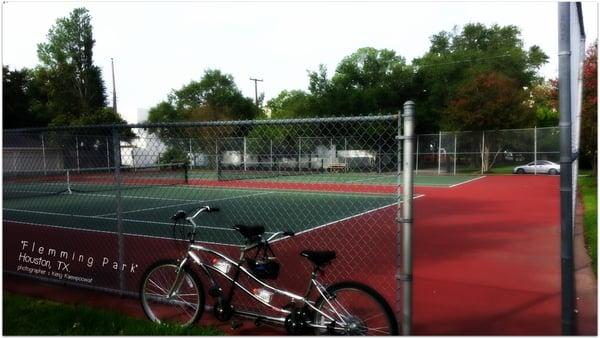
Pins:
x: 184, y: 307
x: 354, y: 309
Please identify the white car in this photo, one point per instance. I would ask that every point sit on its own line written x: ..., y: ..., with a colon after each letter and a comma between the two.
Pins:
x: 540, y: 166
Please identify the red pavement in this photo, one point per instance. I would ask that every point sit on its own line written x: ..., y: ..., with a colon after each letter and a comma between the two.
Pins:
x: 487, y: 262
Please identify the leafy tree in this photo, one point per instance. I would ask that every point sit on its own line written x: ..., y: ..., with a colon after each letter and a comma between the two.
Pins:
x: 22, y: 98
x: 367, y: 81
x: 543, y: 98
x: 73, y: 83
x: 589, y: 110
x: 488, y: 101
x: 455, y: 57
x: 214, y: 96
x: 290, y: 104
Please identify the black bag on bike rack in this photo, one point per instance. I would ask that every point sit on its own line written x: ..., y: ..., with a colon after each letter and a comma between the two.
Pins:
x: 264, y: 268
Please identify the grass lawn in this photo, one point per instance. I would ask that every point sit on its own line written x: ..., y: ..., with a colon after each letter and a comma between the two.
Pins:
x: 589, y: 192
x: 27, y: 316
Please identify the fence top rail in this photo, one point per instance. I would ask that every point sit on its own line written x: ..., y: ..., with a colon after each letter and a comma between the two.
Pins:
x: 365, y: 118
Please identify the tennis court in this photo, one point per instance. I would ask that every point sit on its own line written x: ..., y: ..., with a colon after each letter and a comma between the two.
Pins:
x: 86, y: 200
x: 146, y: 210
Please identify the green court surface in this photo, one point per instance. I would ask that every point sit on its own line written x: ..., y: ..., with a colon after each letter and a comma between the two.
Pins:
x: 333, y: 177
x: 146, y: 211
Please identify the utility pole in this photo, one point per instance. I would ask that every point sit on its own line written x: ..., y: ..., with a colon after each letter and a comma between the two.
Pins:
x: 114, y: 87
x: 256, y: 89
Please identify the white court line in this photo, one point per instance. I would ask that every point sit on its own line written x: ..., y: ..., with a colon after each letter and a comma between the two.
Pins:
x: 347, y: 218
x: 464, y: 182
x: 367, y: 179
x: 111, y: 219
x: 188, y: 203
x: 128, y: 234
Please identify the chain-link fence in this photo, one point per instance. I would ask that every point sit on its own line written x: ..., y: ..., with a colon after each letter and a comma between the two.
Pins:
x: 92, y: 205
x: 451, y: 153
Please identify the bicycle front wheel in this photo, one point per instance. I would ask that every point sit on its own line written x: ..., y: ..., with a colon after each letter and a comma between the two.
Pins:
x: 186, y: 303
x: 354, y: 309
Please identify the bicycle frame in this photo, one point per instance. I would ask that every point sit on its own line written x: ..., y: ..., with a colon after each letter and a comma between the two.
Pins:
x: 210, y: 269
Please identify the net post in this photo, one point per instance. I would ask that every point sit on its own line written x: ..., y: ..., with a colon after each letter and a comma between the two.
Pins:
x: 119, y: 207
x: 69, y: 190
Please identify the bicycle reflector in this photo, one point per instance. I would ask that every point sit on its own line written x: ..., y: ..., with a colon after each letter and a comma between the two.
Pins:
x: 266, y: 268
x: 221, y: 265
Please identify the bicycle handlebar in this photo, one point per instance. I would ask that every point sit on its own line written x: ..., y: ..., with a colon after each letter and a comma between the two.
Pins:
x: 206, y: 209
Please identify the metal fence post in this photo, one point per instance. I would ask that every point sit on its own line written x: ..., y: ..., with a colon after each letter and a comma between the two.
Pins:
x: 566, y: 170
x: 193, y: 162
x: 405, y: 214
x: 271, y: 152
x: 535, y: 149
x: 417, y: 156
x: 44, y: 155
x: 440, y: 152
x: 107, y: 155
x: 245, y: 155
x: 482, y: 149
x: 454, y: 153
x: 77, y: 152
x: 119, y: 207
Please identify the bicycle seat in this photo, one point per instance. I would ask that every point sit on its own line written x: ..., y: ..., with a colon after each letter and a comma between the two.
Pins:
x: 319, y: 258
x: 250, y: 232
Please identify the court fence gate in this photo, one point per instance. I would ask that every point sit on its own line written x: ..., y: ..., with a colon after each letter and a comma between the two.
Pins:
x: 90, y: 206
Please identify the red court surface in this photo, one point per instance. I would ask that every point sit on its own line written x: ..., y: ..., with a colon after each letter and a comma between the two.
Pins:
x: 486, y: 262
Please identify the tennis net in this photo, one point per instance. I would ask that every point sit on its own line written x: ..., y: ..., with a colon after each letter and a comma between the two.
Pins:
x: 28, y: 184
x: 264, y: 170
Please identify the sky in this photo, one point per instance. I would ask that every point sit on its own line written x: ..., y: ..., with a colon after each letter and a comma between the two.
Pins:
x: 160, y: 46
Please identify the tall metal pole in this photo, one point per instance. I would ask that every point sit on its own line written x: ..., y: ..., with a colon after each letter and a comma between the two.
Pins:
x: 256, y: 89
x: 119, y: 207
x: 405, y: 214
x: 566, y: 189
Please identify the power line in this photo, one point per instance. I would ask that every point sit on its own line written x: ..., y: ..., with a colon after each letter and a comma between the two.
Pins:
x: 465, y: 60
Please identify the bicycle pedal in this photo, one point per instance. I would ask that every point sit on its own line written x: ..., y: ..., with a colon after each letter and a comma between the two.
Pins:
x: 236, y: 324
